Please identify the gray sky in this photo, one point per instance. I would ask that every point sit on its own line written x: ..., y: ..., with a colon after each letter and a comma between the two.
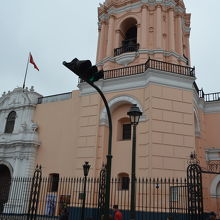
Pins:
x: 58, y: 30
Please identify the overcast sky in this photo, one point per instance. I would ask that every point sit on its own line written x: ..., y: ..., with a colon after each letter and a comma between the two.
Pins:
x: 58, y: 30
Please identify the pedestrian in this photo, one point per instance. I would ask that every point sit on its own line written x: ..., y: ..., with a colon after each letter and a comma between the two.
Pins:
x: 212, y: 216
x: 117, y: 213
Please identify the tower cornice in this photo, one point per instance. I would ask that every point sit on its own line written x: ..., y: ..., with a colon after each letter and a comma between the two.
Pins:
x: 116, y: 7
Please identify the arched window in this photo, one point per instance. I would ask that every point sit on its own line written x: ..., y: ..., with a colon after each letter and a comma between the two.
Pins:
x: 128, y: 37
x: 123, y: 181
x: 9, y: 127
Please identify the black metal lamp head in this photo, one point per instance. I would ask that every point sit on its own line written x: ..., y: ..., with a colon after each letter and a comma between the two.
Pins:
x: 86, y: 167
x: 134, y: 114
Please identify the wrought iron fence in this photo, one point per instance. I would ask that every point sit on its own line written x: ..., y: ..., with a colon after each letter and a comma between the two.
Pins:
x: 125, y: 71
x: 126, y: 49
x: 155, y: 198
x: 150, y: 64
x: 209, y: 97
x: 170, y: 67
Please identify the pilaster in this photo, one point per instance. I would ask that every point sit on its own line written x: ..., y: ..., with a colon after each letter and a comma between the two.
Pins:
x: 111, y: 34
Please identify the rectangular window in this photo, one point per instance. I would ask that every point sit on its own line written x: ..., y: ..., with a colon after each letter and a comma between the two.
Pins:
x: 174, y: 193
x: 53, y: 182
x: 125, y: 183
x: 126, y: 132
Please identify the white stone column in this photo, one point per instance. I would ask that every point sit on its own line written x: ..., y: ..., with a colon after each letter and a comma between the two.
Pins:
x: 110, y: 36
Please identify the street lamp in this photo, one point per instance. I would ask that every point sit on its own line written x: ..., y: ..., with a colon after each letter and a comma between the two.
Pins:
x: 86, y: 167
x: 134, y: 114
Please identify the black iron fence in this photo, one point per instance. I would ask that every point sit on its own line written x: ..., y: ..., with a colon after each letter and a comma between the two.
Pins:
x: 170, y: 67
x: 209, y: 97
x: 125, y: 71
x: 150, y: 64
x: 126, y: 48
x: 155, y: 198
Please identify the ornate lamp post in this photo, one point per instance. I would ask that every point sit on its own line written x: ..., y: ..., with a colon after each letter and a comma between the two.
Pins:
x: 134, y: 115
x: 86, y: 167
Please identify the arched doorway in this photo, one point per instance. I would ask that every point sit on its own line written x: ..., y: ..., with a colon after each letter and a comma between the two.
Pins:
x: 5, y: 183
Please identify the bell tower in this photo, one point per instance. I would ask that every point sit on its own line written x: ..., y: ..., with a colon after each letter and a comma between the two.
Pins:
x: 143, y: 48
x: 131, y: 31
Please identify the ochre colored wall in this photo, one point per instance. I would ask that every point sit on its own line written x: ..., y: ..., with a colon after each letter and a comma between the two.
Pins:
x: 208, y: 139
x: 172, y: 134
x: 70, y: 133
x: 58, y: 131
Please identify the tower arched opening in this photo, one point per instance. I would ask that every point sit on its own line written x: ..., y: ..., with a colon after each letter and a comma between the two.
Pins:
x: 128, y: 37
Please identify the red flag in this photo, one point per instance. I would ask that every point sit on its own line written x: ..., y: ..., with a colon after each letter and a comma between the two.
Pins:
x: 32, y: 62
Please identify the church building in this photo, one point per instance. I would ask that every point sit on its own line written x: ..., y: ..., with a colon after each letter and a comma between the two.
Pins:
x: 144, y: 50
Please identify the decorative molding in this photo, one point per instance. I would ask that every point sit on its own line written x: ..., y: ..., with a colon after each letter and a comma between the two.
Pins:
x: 126, y: 8
x: 126, y: 58
x: 212, y: 107
x: 184, y: 27
x: 214, y: 185
x: 142, y: 51
x: 114, y: 103
x: 19, y: 98
x: 212, y: 154
x: 20, y: 156
x: 138, y: 81
x: 19, y: 138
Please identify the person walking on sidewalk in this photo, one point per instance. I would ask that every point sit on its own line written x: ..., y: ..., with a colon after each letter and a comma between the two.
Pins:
x: 117, y: 213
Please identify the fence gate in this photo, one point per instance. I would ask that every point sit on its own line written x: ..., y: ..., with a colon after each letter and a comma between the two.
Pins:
x: 34, y: 194
x: 102, y: 191
x: 195, y: 194
x: 194, y: 182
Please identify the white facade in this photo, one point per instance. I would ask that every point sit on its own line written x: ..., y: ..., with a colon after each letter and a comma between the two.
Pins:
x: 18, y: 149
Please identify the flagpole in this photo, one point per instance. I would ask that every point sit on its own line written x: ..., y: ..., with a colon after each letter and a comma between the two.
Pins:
x: 26, y: 70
